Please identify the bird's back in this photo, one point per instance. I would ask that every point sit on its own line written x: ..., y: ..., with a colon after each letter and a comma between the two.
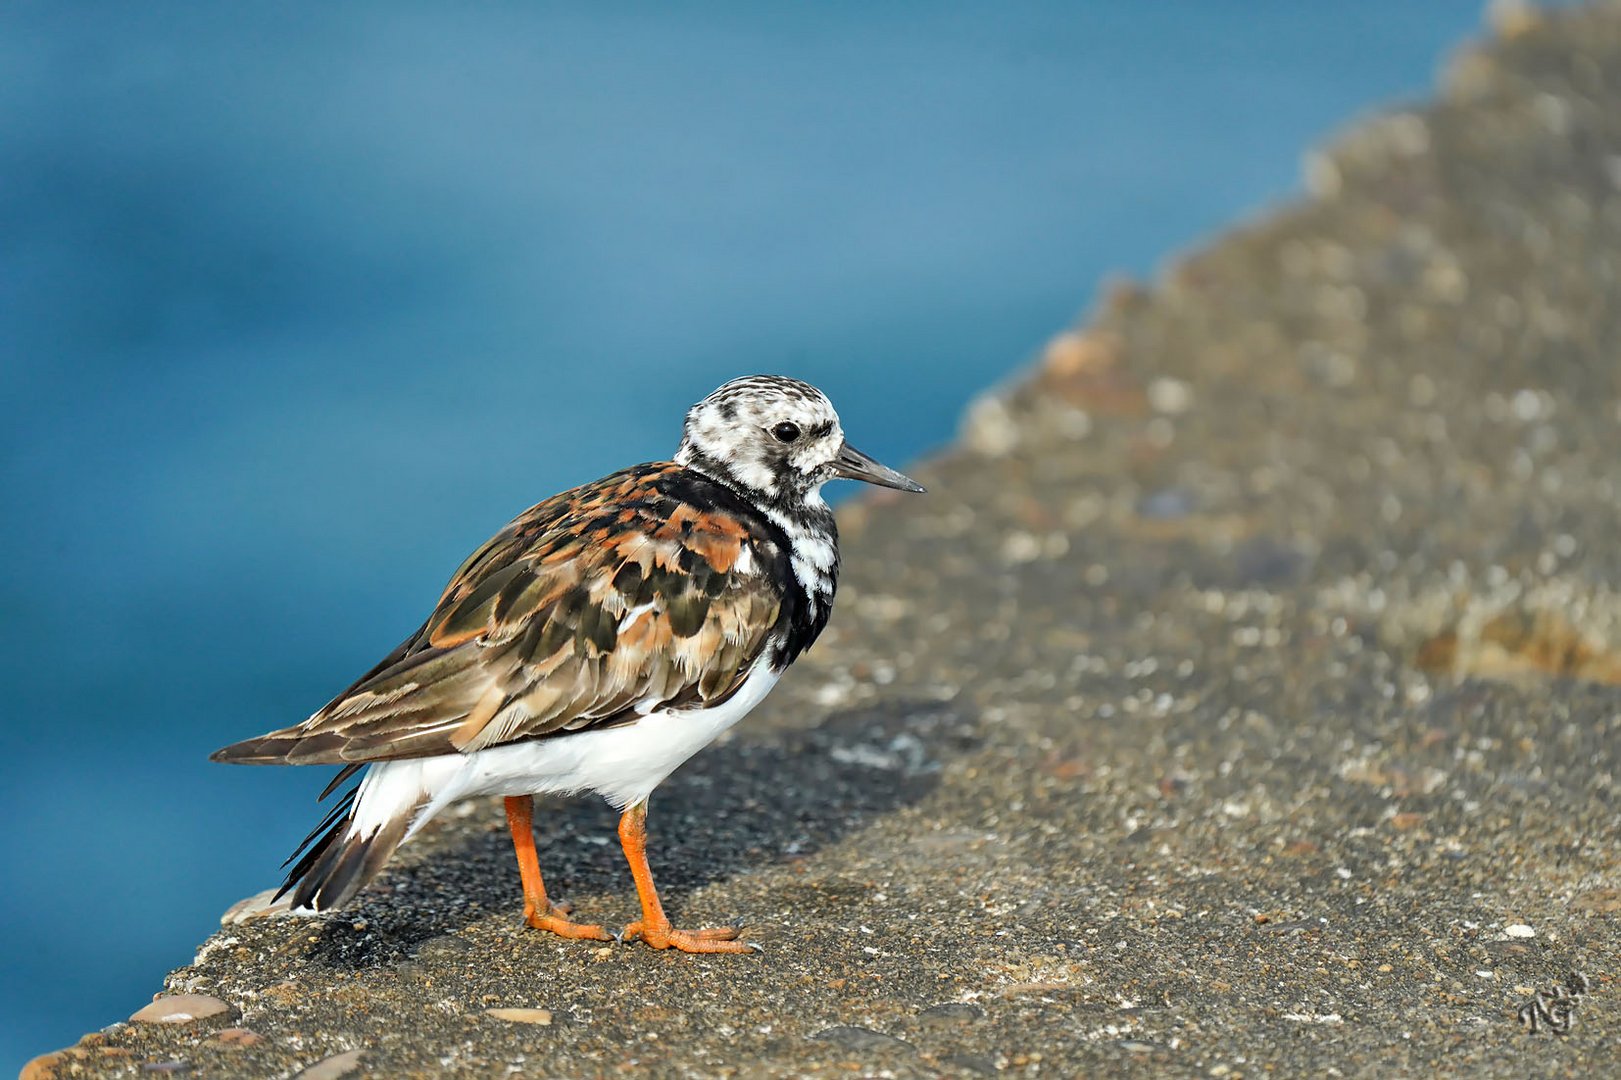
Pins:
x: 653, y: 588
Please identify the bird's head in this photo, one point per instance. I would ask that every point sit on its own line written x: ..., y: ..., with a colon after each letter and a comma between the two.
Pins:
x: 778, y: 438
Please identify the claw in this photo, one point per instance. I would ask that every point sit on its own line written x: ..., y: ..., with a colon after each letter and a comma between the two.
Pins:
x: 538, y: 911
x: 716, y: 939
x: 654, y: 927
x: 563, y: 927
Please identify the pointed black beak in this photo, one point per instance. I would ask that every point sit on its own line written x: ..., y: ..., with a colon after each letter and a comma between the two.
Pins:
x: 854, y: 465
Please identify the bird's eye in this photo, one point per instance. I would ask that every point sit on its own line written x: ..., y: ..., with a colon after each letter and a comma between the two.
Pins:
x: 787, y: 431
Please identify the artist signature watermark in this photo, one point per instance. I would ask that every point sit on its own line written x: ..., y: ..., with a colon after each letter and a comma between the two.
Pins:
x: 1555, y: 1009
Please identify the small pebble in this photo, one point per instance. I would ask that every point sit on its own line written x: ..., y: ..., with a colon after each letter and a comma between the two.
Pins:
x: 180, y: 1009
x: 950, y: 1014
x: 1165, y: 504
x: 860, y: 1038
x: 238, y: 1037
x: 539, y: 1017
x: 333, y: 1067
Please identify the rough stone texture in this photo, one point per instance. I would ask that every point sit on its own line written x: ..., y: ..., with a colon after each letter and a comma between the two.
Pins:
x: 1243, y: 691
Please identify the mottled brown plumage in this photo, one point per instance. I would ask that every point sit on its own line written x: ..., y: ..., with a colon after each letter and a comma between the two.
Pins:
x: 593, y: 608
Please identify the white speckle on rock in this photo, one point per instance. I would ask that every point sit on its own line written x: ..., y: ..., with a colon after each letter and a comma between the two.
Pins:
x: 989, y: 427
x: 1073, y: 423
x: 1519, y: 930
x: 830, y: 694
x: 1021, y: 547
x: 1170, y: 396
x: 211, y: 946
x: 1528, y: 405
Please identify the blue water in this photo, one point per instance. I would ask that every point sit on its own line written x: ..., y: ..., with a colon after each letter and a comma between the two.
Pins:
x: 298, y: 304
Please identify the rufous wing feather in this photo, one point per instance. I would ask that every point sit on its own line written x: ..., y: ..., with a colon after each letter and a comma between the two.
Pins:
x: 595, y: 607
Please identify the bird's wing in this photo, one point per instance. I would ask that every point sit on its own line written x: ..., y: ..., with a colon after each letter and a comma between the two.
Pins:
x: 595, y: 607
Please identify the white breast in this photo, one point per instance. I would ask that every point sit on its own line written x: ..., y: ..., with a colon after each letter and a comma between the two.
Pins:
x: 623, y: 764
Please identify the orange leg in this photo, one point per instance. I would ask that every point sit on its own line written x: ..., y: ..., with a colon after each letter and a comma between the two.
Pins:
x: 539, y: 912
x: 654, y: 927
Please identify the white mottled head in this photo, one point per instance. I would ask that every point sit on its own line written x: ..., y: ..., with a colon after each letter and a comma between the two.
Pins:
x: 776, y: 437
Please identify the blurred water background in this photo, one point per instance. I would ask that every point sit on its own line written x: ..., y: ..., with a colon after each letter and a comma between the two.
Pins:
x: 299, y: 303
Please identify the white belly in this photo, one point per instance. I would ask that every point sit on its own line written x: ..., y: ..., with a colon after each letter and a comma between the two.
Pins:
x: 623, y: 764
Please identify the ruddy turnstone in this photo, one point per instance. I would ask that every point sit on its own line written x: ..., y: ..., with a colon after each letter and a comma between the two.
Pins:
x: 594, y: 644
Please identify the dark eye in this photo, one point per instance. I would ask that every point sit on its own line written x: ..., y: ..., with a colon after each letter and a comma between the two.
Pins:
x: 787, y: 431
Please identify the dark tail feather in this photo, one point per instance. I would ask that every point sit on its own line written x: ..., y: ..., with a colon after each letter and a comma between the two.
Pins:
x: 333, y: 785
x: 333, y: 866
x: 340, y: 810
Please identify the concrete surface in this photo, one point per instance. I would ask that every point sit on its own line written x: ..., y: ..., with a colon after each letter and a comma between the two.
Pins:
x: 1245, y: 698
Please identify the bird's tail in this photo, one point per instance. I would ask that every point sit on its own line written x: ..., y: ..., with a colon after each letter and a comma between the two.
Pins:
x: 352, y: 843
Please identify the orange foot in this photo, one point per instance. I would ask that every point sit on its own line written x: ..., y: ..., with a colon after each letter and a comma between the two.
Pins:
x: 719, y: 939
x: 653, y: 927
x: 538, y: 911
x: 556, y: 920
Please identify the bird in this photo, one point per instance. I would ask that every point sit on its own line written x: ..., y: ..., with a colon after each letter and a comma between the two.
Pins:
x: 594, y: 644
